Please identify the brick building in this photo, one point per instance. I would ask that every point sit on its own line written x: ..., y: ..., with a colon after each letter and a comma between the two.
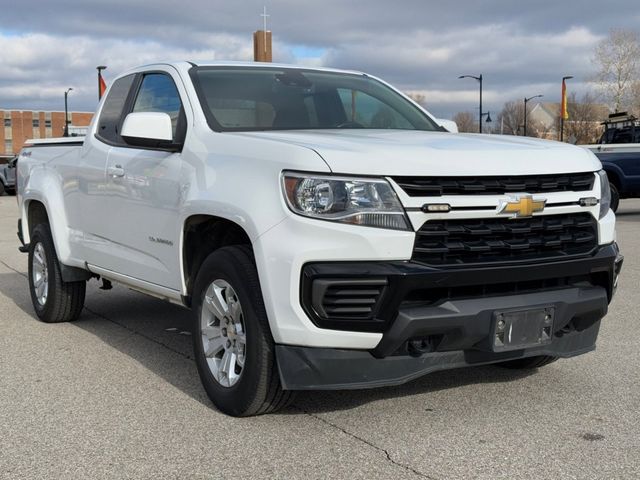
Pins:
x: 21, y: 125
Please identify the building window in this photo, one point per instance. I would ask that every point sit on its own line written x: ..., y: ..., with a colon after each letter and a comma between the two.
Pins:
x: 8, y: 146
x: 36, y: 123
x: 47, y: 123
x: 7, y: 122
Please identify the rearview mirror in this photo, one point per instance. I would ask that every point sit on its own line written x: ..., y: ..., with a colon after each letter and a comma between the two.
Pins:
x: 148, y: 129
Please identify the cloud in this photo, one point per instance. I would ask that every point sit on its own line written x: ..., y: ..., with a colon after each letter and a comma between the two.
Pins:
x: 421, y: 46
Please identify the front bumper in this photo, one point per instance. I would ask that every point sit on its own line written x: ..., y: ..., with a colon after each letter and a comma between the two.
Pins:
x: 455, y: 329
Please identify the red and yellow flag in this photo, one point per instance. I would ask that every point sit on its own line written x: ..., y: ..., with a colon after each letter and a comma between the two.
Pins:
x: 564, y: 112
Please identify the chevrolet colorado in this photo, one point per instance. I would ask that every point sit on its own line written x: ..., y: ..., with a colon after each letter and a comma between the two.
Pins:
x: 325, y: 230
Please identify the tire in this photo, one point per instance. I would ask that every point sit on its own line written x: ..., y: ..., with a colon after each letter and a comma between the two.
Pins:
x: 248, y: 383
x: 529, y: 362
x: 615, y: 197
x: 1, y: 189
x: 57, y: 301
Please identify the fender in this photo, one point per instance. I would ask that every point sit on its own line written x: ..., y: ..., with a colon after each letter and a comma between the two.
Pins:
x: 46, y: 188
x: 612, y: 168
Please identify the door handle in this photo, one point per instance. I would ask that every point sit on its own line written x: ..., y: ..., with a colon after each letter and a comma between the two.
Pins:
x: 115, y: 171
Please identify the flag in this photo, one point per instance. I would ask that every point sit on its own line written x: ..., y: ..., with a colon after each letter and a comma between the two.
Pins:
x: 102, y: 86
x: 564, y: 113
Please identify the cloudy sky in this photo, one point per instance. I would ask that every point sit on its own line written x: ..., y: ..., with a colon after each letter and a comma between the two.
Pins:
x: 521, y: 48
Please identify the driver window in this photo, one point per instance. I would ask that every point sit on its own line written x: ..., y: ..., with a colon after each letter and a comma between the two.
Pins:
x: 361, y: 108
x: 158, y: 93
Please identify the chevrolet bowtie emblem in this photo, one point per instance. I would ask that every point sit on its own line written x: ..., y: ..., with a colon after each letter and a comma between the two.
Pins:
x: 522, y: 206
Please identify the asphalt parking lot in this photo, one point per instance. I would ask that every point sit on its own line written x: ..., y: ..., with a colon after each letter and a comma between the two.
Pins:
x: 117, y: 395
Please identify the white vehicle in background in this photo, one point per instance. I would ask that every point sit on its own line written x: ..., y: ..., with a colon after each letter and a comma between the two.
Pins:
x: 325, y: 230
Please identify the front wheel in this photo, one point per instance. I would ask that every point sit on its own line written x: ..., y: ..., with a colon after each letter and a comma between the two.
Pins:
x: 53, y: 299
x: 233, y: 346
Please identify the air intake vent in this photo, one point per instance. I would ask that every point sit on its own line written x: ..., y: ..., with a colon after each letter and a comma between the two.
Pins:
x: 349, y: 299
x: 438, y: 186
x: 487, y: 240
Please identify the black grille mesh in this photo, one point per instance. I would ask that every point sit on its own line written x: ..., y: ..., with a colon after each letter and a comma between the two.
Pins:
x: 347, y: 298
x: 469, y: 241
x: 438, y: 186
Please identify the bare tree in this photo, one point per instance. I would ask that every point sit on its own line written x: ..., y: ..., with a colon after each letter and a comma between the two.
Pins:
x: 585, y: 118
x: 617, y: 58
x: 510, y: 120
x: 417, y: 97
x: 466, y: 122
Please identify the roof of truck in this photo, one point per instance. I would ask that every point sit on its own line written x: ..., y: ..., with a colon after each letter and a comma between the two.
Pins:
x: 242, y: 64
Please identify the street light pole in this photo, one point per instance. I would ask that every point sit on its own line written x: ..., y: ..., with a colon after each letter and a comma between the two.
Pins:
x: 525, y: 110
x: 480, y: 112
x: 66, y: 113
x: 563, y: 103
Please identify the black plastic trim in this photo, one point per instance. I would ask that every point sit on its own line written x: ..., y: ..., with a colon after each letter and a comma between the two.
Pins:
x: 79, y: 143
x: 403, y: 277
x: 305, y: 368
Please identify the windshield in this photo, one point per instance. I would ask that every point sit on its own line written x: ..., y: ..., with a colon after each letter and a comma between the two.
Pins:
x: 259, y: 98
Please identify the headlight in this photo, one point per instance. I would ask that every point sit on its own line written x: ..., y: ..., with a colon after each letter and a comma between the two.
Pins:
x: 358, y: 201
x: 605, y: 193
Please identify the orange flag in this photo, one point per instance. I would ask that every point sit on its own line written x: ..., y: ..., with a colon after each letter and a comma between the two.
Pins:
x: 102, y: 86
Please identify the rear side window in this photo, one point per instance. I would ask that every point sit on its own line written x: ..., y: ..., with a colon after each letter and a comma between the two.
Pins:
x: 111, y: 114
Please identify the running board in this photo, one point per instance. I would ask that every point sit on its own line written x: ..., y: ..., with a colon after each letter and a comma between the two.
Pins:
x: 141, y: 286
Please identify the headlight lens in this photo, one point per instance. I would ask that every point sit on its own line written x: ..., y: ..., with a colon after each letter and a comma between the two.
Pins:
x: 358, y: 201
x: 605, y: 193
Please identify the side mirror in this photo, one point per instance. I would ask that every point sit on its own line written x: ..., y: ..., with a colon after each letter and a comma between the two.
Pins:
x: 449, y: 125
x: 148, y: 129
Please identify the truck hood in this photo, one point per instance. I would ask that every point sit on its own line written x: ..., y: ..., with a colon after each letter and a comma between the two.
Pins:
x: 415, y: 153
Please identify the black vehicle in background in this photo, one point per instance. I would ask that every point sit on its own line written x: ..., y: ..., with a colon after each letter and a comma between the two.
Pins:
x: 8, y: 177
x: 619, y: 151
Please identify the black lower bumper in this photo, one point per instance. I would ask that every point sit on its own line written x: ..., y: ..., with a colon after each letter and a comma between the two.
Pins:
x: 303, y: 368
x: 437, y: 319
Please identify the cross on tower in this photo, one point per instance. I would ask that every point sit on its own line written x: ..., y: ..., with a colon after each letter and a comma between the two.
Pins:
x: 264, y: 16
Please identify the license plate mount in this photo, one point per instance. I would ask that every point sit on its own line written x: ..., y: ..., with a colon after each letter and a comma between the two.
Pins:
x: 520, y: 329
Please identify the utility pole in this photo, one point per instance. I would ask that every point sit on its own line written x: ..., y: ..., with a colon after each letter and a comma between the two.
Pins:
x: 480, y: 112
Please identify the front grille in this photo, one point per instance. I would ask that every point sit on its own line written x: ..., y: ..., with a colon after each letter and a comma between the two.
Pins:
x: 438, y: 186
x: 487, y: 240
x: 352, y: 299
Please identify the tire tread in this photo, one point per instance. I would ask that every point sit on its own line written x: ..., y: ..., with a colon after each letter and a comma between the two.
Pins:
x: 67, y: 297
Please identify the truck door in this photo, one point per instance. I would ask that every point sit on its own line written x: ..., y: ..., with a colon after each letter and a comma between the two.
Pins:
x: 145, y: 190
x: 135, y: 229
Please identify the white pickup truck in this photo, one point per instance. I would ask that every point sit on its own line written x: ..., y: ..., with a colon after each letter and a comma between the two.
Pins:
x: 325, y: 230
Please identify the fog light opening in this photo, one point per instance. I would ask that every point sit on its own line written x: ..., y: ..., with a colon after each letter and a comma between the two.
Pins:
x: 421, y: 345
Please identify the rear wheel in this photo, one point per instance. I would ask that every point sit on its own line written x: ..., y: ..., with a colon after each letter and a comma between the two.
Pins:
x: 233, y: 347
x: 53, y: 299
x: 2, y: 189
x: 529, y: 362
x: 615, y: 197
